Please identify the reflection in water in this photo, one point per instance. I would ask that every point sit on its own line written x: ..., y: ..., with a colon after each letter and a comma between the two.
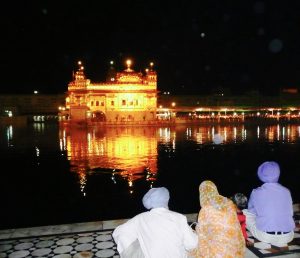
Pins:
x: 130, y: 153
x: 40, y: 127
x: 9, y: 134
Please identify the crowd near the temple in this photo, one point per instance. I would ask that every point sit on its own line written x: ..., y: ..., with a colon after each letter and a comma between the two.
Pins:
x: 223, y: 222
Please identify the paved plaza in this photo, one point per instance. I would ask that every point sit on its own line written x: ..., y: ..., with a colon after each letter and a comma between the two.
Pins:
x: 93, y: 239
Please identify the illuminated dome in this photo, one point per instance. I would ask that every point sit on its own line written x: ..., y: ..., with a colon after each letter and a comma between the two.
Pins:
x: 129, y: 76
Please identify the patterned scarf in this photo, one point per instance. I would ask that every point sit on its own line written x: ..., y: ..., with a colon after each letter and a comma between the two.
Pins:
x: 209, y: 195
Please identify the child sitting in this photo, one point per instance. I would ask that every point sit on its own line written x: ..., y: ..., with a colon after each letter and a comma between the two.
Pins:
x: 240, y: 201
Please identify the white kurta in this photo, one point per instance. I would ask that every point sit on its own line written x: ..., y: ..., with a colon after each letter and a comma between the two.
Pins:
x: 160, y: 232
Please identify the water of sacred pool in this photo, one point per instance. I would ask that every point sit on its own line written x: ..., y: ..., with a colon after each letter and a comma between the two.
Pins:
x: 54, y: 175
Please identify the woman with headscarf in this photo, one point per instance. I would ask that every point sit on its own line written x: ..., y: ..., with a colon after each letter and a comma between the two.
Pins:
x: 270, y: 208
x: 218, y: 228
x: 158, y: 233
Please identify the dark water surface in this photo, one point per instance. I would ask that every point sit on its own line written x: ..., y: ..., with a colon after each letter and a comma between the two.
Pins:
x: 52, y: 174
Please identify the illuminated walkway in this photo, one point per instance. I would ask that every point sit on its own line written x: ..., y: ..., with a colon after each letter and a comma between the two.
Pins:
x: 93, y: 239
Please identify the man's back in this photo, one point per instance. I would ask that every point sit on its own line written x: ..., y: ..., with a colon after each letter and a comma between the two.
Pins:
x: 272, y: 204
x: 158, y: 233
x: 164, y: 233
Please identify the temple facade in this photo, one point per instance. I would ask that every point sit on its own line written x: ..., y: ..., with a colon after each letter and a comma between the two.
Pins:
x: 126, y: 96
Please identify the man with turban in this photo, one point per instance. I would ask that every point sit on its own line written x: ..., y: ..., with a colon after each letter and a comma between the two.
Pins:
x: 270, y: 208
x: 158, y: 233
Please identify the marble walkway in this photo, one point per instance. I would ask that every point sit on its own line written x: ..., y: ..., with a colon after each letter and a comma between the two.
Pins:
x: 91, y: 239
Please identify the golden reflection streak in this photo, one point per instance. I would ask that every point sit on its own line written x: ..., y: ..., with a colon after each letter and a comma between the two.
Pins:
x: 130, y: 149
x: 134, y: 149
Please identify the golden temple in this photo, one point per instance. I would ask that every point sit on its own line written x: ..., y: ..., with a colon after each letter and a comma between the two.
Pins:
x: 126, y: 96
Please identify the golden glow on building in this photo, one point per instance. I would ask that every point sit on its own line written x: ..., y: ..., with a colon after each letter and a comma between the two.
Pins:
x: 126, y: 96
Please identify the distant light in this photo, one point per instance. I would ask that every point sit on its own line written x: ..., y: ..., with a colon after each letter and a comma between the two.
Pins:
x: 79, y: 63
x: 35, y: 92
x: 128, y: 62
x: 218, y: 139
x: 112, y: 79
x: 173, y: 104
x: 151, y: 64
x: 275, y: 45
x: 111, y: 62
x: 202, y: 35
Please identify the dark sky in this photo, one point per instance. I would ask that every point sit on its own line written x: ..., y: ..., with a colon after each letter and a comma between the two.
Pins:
x: 197, y: 46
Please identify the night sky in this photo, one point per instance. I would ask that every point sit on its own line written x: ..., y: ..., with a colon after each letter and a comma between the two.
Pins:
x: 198, y: 47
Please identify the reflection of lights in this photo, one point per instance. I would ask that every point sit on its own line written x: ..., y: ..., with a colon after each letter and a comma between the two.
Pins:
x: 244, y: 134
x: 39, y: 127
x: 82, y: 182
x: 234, y: 133
x: 62, y: 141
x: 258, y: 132
x: 130, y: 183
x: 37, y: 151
x: 9, y: 113
x: 113, y: 178
x: 9, y: 133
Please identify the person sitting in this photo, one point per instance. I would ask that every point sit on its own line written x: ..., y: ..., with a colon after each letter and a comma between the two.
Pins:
x: 240, y: 201
x: 218, y: 228
x: 270, y: 208
x: 158, y: 233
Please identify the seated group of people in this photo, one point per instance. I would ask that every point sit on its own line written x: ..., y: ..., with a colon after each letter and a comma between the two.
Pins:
x: 221, y: 226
